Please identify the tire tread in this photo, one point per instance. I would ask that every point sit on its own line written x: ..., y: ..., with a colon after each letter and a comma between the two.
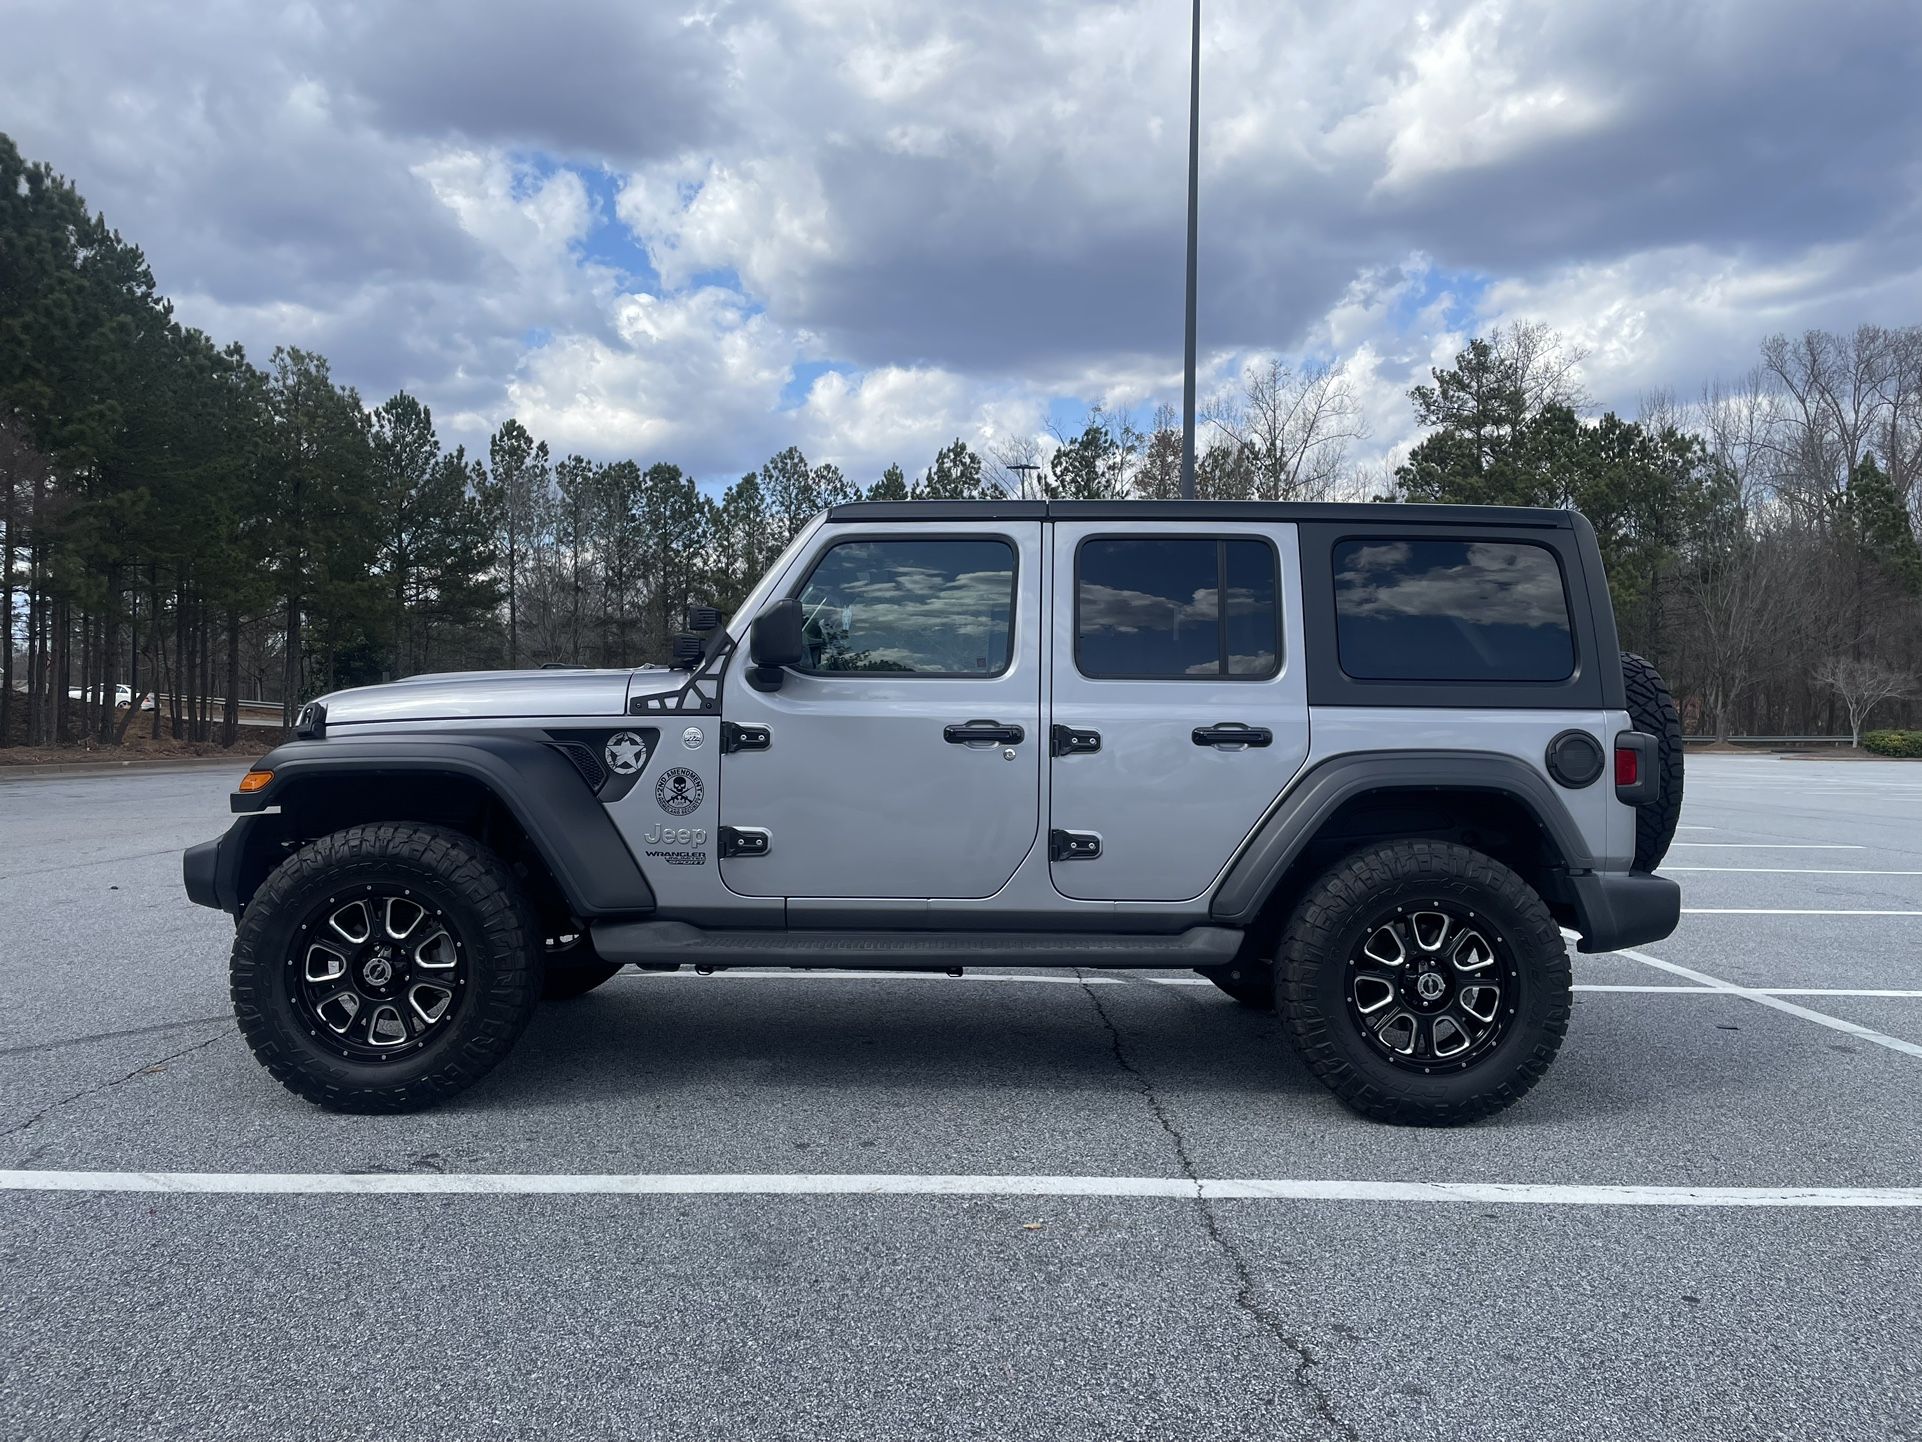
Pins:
x: 1652, y: 709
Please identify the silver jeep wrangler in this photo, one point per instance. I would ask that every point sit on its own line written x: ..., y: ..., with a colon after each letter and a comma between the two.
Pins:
x: 1358, y: 763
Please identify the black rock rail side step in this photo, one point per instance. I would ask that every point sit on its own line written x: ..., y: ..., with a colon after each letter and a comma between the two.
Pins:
x: 671, y: 942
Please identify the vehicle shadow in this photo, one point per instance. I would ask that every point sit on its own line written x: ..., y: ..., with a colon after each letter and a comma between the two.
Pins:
x: 647, y: 1036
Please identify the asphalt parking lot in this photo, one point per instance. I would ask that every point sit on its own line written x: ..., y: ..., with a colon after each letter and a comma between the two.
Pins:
x: 711, y: 1281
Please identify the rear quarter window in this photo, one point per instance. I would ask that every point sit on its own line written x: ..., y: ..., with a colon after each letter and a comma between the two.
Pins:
x: 1448, y: 610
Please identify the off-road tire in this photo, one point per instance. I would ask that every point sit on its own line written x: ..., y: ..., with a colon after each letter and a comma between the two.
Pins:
x: 496, y: 929
x: 1252, y: 983
x: 1331, y: 923
x: 1652, y: 709
x: 565, y: 981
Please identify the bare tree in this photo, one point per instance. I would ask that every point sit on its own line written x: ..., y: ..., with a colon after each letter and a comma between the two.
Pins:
x: 1740, y: 420
x: 1543, y: 364
x: 1292, y: 428
x: 1901, y: 431
x: 1837, y: 393
x: 1739, y: 609
x: 1013, y: 463
x: 1159, y: 478
x: 1862, y: 684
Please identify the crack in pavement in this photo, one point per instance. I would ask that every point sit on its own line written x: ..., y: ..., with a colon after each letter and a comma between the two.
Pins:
x: 1246, y: 1297
x: 107, y: 1086
x: 38, y: 1046
x: 91, y: 862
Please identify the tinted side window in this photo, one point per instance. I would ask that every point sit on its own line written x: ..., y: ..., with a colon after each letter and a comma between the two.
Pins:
x: 1176, y: 607
x: 923, y: 608
x: 1451, y: 611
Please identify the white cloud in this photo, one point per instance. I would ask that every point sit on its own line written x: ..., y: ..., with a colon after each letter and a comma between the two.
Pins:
x: 1473, y: 96
x: 637, y: 225
x: 682, y: 377
x: 1680, y: 317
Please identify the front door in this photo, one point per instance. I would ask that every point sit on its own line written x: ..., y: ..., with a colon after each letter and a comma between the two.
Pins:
x: 902, y: 758
x: 1179, y: 701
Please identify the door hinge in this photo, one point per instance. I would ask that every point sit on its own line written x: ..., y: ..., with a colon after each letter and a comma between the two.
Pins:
x: 1069, y: 741
x: 736, y: 737
x: 744, y: 841
x: 1073, y: 846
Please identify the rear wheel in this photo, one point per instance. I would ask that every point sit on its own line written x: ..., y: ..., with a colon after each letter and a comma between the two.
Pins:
x: 1424, y: 983
x: 385, y: 968
x: 1652, y: 709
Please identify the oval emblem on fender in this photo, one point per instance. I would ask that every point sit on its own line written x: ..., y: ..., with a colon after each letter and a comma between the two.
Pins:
x: 625, y: 753
x: 692, y: 738
x: 678, y: 791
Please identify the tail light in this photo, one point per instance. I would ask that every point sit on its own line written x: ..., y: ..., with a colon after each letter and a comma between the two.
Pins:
x: 1628, y: 766
x: 1636, y: 776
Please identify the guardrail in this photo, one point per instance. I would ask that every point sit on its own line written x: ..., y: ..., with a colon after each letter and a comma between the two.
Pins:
x: 1769, y: 740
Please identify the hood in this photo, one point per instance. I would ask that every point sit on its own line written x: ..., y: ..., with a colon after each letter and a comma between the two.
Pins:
x: 453, y: 695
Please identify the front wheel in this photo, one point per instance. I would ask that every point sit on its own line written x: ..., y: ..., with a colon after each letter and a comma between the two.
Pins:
x: 1424, y: 983
x: 385, y: 968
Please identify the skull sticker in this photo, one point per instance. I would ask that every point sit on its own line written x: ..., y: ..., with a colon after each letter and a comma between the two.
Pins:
x: 678, y: 791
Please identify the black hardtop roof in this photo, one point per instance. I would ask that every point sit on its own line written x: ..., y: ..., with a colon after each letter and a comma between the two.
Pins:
x: 1370, y: 513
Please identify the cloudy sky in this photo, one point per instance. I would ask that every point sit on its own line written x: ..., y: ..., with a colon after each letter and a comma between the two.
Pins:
x: 699, y: 230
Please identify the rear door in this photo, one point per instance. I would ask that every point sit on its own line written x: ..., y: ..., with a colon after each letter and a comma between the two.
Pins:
x: 902, y: 758
x: 1179, y: 707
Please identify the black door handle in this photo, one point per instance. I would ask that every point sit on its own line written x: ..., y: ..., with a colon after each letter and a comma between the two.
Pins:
x: 962, y: 734
x: 1233, y: 733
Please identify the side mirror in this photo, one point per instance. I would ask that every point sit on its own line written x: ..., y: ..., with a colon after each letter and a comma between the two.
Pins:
x: 774, y: 641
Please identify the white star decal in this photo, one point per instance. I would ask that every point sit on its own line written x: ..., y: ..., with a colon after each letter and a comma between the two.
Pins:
x: 626, y: 754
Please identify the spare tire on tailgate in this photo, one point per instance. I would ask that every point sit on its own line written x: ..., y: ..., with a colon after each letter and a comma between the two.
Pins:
x: 1653, y: 712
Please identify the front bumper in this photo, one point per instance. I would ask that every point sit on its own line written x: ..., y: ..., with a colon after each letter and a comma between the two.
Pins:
x: 1624, y: 908
x: 224, y: 872
x: 200, y: 873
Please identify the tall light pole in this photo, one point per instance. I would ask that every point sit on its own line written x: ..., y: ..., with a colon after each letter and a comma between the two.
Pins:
x: 1194, y: 156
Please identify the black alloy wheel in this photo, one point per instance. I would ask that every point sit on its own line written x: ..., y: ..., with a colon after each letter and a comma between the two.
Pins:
x: 1431, y: 985
x: 377, y: 972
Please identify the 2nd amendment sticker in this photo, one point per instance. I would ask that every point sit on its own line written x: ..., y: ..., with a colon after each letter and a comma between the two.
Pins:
x: 678, y: 791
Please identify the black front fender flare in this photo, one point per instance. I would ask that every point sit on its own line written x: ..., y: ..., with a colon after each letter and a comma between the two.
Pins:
x: 567, y: 825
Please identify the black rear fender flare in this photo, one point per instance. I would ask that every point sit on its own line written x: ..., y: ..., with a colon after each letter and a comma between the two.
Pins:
x: 1306, y: 807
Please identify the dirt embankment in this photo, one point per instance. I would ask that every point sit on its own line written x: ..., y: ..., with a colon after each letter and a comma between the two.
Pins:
x: 140, y: 745
x: 253, y: 742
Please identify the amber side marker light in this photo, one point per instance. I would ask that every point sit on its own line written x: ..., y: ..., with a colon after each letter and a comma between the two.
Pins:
x: 254, y: 781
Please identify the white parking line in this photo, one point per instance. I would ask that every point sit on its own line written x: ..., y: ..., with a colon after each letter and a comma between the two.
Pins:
x: 1768, y: 845
x: 1790, y: 871
x: 1784, y: 911
x: 817, y: 1184
x: 1759, y: 990
x: 1764, y: 998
